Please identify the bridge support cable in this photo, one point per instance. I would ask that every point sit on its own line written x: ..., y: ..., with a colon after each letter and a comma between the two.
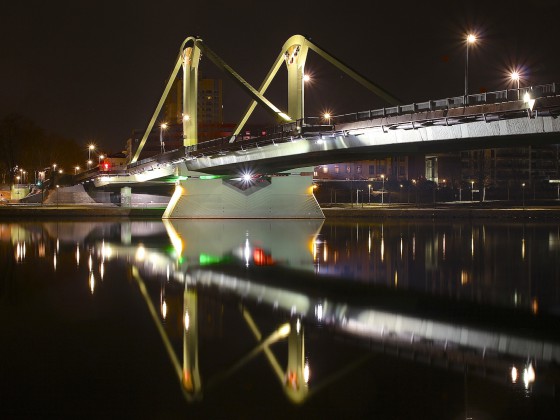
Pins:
x: 294, y: 54
x: 256, y: 95
x: 168, y: 86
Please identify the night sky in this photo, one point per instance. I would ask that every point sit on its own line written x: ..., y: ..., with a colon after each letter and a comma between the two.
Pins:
x: 95, y: 70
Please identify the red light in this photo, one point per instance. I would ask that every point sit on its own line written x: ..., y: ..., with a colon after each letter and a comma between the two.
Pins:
x: 106, y: 166
x: 261, y: 258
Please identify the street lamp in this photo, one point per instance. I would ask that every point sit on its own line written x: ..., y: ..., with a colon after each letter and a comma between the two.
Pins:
x: 90, y: 148
x: 76, y: 169
x: 472, y: 190
x: 89, y: 162
x: 369, y: 193
x: 471, y: 39
x: 515, y: 76
x: 162, y: 127
x: 382, y: 188
x: 523, y: 186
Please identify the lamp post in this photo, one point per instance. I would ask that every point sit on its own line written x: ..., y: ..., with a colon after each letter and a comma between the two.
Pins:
x: 369, y: 193
x: 471, y: 39
x: 382, y: 188
x: 523, y: 187
x: 162, y: 127
x: 90, y: 148
x: 472, y: 190
x: 515, y: 76
x: 76, y: 169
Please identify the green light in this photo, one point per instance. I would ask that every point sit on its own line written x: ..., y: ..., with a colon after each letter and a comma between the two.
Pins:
x: 209, y: 176
x: 205, y: 259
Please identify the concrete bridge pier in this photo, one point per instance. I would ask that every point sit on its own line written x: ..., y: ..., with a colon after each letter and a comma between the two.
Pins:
x: 203, y: 196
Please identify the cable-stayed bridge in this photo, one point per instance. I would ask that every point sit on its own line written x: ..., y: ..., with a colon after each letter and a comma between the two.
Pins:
x: 270, y: 176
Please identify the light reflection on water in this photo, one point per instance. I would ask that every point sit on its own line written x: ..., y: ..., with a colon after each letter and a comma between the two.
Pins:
x: 312, y: 278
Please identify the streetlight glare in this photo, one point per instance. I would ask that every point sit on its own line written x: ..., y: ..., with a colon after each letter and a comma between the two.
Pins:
x: 164, y: 126
x: 306, y: 78
x: 515, y: 76
x: 471, y: 39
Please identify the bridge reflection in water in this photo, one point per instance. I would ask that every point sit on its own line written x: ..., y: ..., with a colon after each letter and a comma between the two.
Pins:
x: 274, y: 264
x: 187, y: 270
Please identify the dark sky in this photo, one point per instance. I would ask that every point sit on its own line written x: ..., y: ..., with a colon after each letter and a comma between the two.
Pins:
x: 94, y: 70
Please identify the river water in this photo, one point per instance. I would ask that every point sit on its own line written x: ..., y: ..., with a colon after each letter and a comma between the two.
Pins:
x: 280, y: 319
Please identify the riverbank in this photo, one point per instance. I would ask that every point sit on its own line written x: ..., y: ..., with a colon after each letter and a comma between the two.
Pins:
x: 440, y: 211
x: 465, y: 210
x: 79, y: 211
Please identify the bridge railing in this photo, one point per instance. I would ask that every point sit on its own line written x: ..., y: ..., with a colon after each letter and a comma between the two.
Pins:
x: 494, y: 97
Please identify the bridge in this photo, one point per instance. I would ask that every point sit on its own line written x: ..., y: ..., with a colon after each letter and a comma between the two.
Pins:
x: 271, y: 175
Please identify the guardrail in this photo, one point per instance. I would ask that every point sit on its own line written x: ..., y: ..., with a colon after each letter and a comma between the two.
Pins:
x: 295, y: 130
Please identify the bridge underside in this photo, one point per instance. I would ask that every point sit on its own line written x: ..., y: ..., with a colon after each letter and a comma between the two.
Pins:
x: 287, y: 195
x: 363, y: 141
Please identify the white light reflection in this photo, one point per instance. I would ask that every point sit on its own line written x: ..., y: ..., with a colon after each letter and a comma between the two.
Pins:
x: 247, y: 252
x: 90, y: 262
x: 78, y: 255
x: 298, y: 326
x: 514, y: 375
x: 413, y: 247
x: 319, y: 312
x: 472, y: 245
x: 528, y: 375
x: 443, y: 247
x: 57, y: 245
x: 401, y: 247
x: 523, y: 248
x: 306, y: 372
x: 187, y: 320
x: 164, y: 309
x: 101, y: 270
x: 91, y: 282
x: 54, y: 262
x: 140, y: 253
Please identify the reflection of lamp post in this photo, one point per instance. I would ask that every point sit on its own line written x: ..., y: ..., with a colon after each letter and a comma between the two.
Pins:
x: 369, y: 193
x: 382, y: 188
x: 472, y: 190
x: 471, y: 39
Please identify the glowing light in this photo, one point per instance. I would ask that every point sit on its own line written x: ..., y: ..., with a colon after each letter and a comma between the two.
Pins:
x: 54, y: 262
x: 327, y: 116
x: 187, y: 320
x: 528, y: 375
x: 306, y: 372
x: 78, y: 255
x: 90, y: 262
x: 514, y: 375
x: 186, y: 117
x: 246, y: 177
x: 306, y: 78
x: 164, y: 126
x: 298, y: 326
x: 471, y: 38
x: 140, y: 253
x: 101, y: 270
x: 91, y: 282
x: 164, y: 309
x: 319, y: 312
x: 284, y: 330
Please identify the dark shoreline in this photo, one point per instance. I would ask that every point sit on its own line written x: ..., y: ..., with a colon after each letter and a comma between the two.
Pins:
x: 441, y: 211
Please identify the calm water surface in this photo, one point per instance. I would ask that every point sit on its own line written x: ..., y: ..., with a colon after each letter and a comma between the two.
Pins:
x: 280, y: 319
